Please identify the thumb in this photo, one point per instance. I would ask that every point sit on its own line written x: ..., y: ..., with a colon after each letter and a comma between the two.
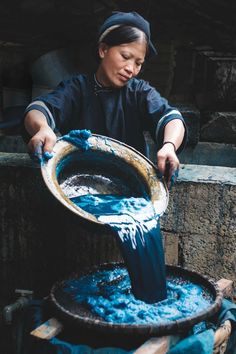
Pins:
x: 161, y: 163
x: 49, y: 144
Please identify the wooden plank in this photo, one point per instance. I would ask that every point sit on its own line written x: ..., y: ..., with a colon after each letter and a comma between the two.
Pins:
x: 48, y: 329
x: 157, y: 345
x: 225, y: 286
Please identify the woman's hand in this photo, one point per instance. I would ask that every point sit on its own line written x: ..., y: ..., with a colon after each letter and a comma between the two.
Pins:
x: 167, y: 160
x: 42, y: 139
x: 42, y: 143
x: 168, y: 163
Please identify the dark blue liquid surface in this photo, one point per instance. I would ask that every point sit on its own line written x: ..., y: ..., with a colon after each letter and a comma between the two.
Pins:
x: 139, y: 238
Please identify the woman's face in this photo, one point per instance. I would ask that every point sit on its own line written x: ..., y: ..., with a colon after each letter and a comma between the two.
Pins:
x: 120, y: 63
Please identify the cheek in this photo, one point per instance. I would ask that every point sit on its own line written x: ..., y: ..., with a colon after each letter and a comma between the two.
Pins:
x: 137, y: 71
x: 109, y: 63
x: 116, y: 61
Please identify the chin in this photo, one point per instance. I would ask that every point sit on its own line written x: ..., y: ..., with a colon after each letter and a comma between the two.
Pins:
x: 119, y: 84
x: 116, y: 83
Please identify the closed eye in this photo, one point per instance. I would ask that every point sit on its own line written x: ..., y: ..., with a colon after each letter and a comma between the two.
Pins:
x: 126, y: 57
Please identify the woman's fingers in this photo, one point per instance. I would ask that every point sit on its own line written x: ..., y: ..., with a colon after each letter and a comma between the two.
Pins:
x: 168, y: 164
x: 36, y: 151
x: 171, y: 173
x: 50, y: 141
x: 41, y: 144
x: 173, y: 178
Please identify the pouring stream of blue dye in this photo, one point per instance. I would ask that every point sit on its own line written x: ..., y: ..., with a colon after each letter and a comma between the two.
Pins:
x: 139, y: 293
x: 139, y: 238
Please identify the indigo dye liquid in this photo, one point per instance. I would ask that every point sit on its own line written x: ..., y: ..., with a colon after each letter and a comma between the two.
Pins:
x: 138, y: 234
x: 107, y: 293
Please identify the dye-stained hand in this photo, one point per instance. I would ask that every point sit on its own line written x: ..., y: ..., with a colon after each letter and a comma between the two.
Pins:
x: 41, y: 144
x: 168, y: 164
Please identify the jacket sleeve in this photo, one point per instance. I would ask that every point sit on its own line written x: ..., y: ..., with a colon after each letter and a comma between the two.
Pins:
x: 158, y: 112
x: 59, y: 105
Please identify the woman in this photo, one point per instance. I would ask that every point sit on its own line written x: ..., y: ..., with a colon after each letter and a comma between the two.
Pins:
x: 112, y: 102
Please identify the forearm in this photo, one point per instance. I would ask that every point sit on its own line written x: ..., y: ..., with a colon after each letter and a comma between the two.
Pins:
x: 34, y: 121
x: 42, y: 136
x: 174, y: 132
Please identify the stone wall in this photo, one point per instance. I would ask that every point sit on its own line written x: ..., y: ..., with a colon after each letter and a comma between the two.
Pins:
x: 199, y: 226
x: 200, y: 222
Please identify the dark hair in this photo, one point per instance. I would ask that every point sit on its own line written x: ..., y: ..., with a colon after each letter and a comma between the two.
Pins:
x: 120, y: 35
x: 132, y: 19
x: 123, y: 34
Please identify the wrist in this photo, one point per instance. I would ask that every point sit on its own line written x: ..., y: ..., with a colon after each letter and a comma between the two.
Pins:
x: 171, y: 143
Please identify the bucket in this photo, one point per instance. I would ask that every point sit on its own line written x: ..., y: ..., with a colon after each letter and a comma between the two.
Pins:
x: 108, y: 167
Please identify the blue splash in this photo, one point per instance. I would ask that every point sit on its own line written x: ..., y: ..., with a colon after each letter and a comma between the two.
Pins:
x: 107, y: 293
x: 78, y: 138
x: 138, y: 234
x: 47, y: 155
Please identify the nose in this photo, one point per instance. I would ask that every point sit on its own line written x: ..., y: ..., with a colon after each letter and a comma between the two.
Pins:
x: 130, y: 68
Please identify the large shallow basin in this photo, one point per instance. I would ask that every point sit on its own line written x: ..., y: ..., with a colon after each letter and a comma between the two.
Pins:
x: 107, y: 167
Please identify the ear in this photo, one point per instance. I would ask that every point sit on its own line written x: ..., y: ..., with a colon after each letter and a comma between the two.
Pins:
x: 102, y: 50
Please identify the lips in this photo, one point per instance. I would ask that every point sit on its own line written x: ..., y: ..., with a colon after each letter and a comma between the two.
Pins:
x: 124, y: 78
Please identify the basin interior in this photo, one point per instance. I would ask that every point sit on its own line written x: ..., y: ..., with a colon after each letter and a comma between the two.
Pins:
x: 97, y: 172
